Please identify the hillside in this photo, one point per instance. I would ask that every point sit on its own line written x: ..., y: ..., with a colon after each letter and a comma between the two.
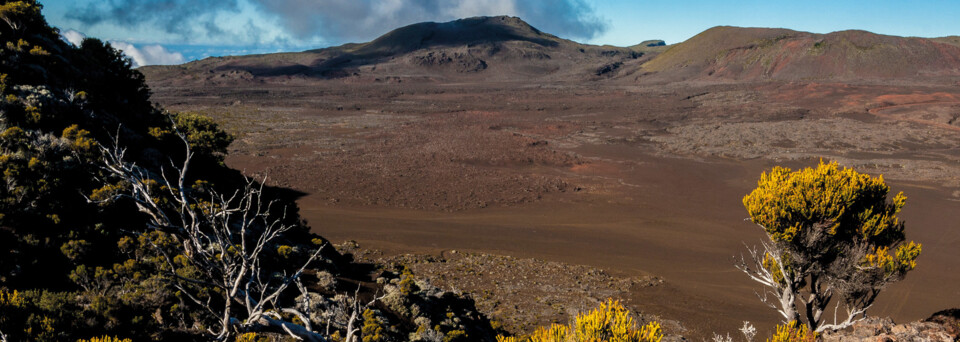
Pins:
x: 489, y: 48
x: 99, y: 241
x: 952, y: 40
x: 507, y: 48
x: 760, y: 53
x: 409, y: 144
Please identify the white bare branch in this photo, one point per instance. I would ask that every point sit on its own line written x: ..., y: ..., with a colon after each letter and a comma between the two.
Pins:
x: 854, y: 315
x: 781, y: 288
x: 223, y: 238
x: 356, y: 313
x: 749, y: 331
x: 783, y: 285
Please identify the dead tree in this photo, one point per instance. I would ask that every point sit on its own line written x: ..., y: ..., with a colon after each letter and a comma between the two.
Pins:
x: 223, y: 237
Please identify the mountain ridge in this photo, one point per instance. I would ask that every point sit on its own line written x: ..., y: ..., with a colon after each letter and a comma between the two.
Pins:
x: 458, y: 32
x: 765, y: 53
x: 507, y: 48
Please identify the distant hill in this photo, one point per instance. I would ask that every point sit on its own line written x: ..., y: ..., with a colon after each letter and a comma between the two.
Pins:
x: 763, y: 53
x: 495, y: 48
x: 952, y: 40
x: 470, y: 31
x: 507, y: 48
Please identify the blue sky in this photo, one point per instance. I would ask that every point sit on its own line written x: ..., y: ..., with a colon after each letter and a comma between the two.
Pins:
x: 173, y: 31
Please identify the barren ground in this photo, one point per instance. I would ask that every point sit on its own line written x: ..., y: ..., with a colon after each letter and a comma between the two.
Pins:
x: 637, y: 180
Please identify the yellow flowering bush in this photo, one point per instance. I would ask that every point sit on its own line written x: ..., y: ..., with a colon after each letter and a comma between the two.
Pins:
x: 611, y: 322
x: 833, y: 234
x: 793, y: 332
x: 106, y: 339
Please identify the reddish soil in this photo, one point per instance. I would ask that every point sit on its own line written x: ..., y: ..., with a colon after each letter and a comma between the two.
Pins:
x: 511, y: 141
x: 636, y: 180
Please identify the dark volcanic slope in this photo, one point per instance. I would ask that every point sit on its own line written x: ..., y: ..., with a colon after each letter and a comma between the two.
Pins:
x: 507, y: 48
x: 471, y: 31
x: 761, y: 53
x: 487, y: 48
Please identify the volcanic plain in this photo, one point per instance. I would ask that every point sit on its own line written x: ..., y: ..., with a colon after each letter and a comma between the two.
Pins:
x: 630, y: 161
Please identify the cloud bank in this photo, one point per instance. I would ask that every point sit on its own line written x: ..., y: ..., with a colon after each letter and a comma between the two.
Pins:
x: 187, y: 18
x: 336, y: 21
x: 139, y: 56
x: 148, y: 54
x: 73, y: 37
x: 366, y: 19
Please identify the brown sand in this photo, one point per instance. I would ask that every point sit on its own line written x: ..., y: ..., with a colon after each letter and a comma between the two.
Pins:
x: 632, y: 179
x: 689, y: 237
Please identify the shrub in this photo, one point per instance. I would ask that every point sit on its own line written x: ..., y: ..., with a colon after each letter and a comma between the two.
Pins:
x: 609, y: 322
x: 106, y: 339
x: 372, y: 330
x: 793, y: 332
x: 251, y: 337
x: 833, y: 237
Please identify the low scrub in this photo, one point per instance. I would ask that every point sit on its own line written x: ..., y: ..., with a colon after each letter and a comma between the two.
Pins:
x: 609, y: 322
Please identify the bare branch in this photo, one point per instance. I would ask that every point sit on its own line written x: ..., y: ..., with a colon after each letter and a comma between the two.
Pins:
x: 781, y: 289
x: 749, y: 331
x: 356, y: 313
x: 854, y: 315
x: 296, y: 331
x: 785, y: 291
x: 222, y: 238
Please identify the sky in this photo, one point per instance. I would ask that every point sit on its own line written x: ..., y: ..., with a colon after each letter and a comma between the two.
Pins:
x: 177, y: 31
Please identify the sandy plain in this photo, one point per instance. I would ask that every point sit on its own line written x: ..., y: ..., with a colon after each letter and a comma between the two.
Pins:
x: 631, y: 178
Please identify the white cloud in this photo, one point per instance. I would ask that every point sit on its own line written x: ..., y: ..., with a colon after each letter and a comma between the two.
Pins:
x: 145, y: 55
x: 474, y: 8
x: 73, y: 37
x: 148, y: 54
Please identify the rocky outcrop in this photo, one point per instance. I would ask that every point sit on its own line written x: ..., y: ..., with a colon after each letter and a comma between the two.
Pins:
x: 941, y: 326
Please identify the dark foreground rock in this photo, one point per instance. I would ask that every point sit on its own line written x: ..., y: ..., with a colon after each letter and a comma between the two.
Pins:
x: 941, y: 326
